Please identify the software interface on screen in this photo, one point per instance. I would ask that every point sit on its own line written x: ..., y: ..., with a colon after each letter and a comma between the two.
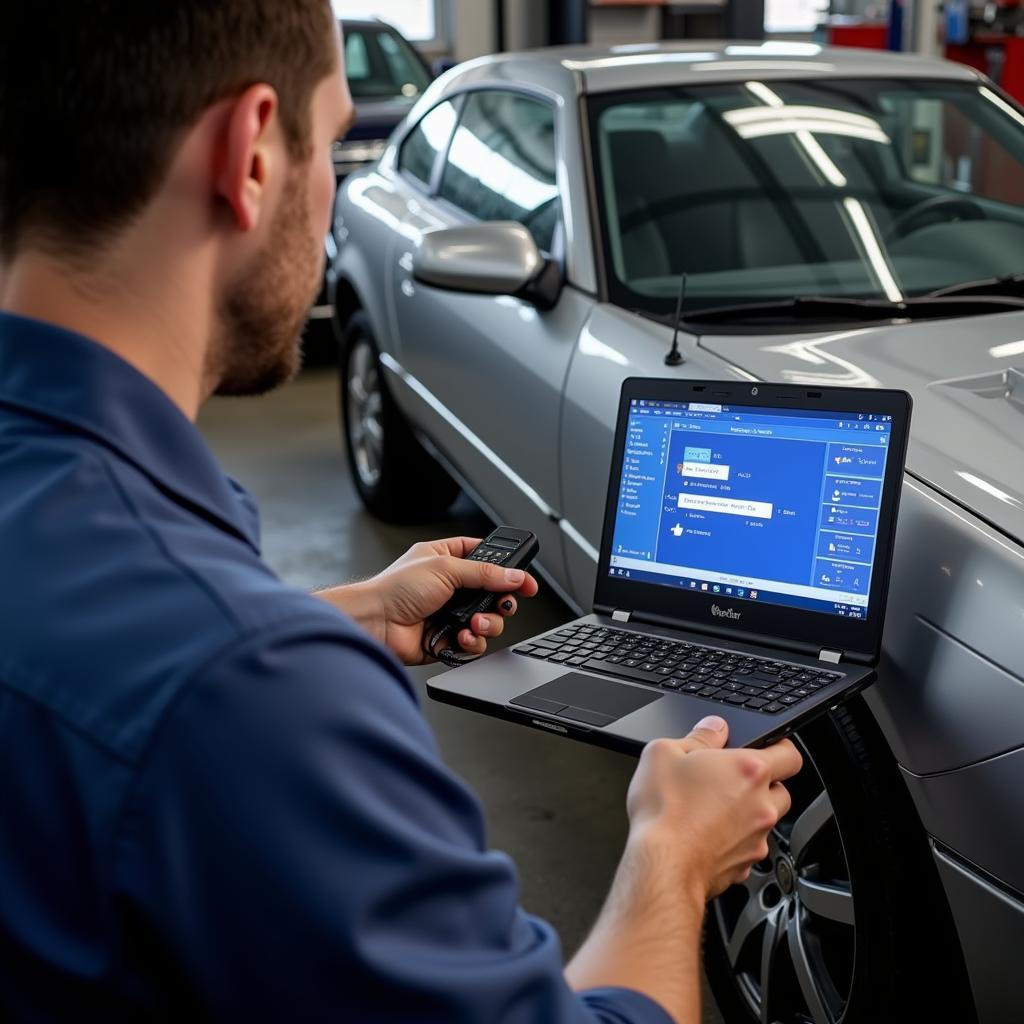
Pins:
x: 759, y: 504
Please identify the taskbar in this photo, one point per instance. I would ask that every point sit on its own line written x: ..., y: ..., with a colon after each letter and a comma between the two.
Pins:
x: 696, y: 586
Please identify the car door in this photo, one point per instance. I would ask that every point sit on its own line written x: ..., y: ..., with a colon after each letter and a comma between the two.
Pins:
x: 494, y: 366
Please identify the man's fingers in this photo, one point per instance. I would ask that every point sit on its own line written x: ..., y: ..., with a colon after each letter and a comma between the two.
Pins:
x: 506, y: 606
x: 487, y: 625
x: 488, y: 576
x: 456, y: 547
x: 470, y: 643
x: 708, y: 734
x: 784, y: 760
x: 460, y: 546
x: 779, y: 796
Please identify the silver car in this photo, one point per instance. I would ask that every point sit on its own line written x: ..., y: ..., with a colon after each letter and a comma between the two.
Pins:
x: 534, y: 232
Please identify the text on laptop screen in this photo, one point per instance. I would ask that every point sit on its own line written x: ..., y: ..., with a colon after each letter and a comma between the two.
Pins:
x: 775, y: 505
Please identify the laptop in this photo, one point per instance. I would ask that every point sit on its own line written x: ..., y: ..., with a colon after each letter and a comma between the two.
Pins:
x: 743, y: 569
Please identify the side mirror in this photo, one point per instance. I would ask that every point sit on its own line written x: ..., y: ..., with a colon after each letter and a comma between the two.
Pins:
x: 495, y: 258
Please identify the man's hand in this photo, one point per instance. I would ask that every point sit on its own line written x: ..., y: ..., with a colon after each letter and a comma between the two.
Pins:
x: 719, y: 805
x: 394, y: 604
x: 699, y: 820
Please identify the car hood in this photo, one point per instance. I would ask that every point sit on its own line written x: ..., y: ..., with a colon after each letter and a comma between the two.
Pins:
x: 966, y: 377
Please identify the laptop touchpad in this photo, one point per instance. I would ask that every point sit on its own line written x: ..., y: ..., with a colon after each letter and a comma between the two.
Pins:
x: 585, y: 699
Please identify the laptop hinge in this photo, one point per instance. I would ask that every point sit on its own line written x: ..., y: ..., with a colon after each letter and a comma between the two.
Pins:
x: 825, y: 654
x: 706, y: 629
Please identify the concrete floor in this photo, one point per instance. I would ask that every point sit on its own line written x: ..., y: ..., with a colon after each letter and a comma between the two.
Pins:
x: 556, y: 807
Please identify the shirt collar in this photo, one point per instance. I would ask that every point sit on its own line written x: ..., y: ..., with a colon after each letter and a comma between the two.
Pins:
x: 64, y: 377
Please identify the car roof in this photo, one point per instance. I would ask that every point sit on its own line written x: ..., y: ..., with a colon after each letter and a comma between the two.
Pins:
x: 591, y: 69
x: 362, y: 21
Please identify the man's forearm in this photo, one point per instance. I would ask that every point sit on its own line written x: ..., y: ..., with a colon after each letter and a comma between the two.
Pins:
x: 647, y: 937
x: 361, y: 603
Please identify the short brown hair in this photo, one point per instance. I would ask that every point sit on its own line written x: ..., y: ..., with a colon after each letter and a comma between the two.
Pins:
x: 95, y: 96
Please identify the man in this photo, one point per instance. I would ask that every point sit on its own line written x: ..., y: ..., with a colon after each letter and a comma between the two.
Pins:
x: 219, y: 798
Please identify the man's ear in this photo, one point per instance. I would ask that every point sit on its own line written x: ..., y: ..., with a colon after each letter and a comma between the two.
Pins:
x: 245, y: 154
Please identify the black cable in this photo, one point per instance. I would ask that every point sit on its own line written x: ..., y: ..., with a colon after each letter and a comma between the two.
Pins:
x: 446, y: 655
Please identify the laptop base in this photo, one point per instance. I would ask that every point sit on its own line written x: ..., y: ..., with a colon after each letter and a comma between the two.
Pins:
x: 623, y: 715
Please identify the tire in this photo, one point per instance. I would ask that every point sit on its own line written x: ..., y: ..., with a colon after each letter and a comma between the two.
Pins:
x: 846, y: 922
x: 396, y: 478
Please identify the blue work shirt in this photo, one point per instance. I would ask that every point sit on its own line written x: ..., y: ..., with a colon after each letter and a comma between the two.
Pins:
x: 218, y: 797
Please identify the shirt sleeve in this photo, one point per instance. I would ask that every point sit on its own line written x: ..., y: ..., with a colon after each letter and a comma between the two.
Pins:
x: 299, y: 851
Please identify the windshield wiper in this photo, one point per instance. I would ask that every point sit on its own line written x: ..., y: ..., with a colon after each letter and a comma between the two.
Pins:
x: 821, y: 307
x: 1007, y: 284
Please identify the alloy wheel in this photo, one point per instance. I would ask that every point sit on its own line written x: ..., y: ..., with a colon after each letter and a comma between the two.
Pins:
x: 364, y: 410
x: 789, y: 931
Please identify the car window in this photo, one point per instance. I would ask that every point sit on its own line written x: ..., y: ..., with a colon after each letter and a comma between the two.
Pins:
x: 501, y: 163
x: 943, y: 144
x: 421, y: 146
x: 380, y: 64
x: 402, y: 65
x: 762, y: 191
x: 357, y: 60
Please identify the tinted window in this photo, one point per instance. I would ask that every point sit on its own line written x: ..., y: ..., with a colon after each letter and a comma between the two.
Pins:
x: 948, y: 145
x: 357, y: 59
x: 765, y: 191
x: 402, y: 64
x: 501, y: 165
x: 425, y: 141
x: 380, y: 64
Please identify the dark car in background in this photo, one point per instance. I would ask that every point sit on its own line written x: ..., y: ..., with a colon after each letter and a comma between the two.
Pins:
x: 386, y: 76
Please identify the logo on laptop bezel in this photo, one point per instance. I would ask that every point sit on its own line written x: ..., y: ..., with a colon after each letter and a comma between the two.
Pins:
x: 726, y: 613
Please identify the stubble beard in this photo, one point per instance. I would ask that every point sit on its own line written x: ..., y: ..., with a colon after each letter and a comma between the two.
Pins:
x: 258, y: 345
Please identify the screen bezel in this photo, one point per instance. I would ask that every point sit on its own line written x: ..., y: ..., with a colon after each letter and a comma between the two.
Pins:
x: 778, y: 622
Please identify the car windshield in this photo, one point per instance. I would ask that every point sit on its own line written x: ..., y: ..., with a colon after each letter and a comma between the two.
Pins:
x: 763, y: 191
x: 380, y: 64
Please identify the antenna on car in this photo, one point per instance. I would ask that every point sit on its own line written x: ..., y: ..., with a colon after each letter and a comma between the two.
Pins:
x: 674, y: 356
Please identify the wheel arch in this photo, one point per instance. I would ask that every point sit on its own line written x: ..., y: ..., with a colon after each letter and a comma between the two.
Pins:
x: 347, y: 303
x: 908, y: 961
x: 353, y: 287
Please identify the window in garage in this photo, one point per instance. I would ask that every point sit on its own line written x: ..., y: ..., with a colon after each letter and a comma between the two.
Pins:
x: 501, y: 164
x: 415, y: 19
x: 794, y: 15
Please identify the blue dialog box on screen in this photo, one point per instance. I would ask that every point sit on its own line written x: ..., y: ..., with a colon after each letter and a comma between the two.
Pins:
x: 697, y: 454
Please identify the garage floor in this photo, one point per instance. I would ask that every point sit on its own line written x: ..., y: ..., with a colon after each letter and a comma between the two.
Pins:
x: 557, y: 808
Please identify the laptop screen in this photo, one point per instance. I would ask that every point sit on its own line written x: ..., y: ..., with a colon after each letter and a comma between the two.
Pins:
x: 757, y: 504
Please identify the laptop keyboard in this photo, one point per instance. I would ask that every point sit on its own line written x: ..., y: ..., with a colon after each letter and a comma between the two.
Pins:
x: 728, y: 677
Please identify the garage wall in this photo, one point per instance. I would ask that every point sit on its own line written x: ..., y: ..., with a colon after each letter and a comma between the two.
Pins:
x: 612, y: 25
x: 470, y: 25
x: 526, y: 23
